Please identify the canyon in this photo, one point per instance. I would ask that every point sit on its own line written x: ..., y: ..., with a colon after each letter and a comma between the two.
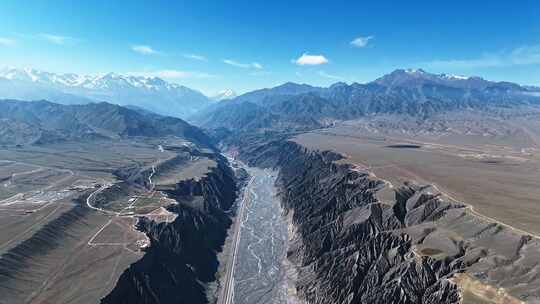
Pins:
x: 295, y: 194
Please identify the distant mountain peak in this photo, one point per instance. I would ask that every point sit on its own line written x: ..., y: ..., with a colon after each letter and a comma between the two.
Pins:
x: 418, y: 77
x: 415, y: 71
x: 293, y: 88
x: 290, y: 84
x: 457, y: 77
x: 224, y: 94
x: 338, y: 84
x: 423, y: 74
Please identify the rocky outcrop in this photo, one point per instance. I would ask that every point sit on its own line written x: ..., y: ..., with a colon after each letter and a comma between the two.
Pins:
x: 181, y: 259
x: 349, y: 247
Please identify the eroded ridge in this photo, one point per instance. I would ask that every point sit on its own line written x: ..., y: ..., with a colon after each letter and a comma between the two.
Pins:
x: 350, y: 247
x: 181, y: 259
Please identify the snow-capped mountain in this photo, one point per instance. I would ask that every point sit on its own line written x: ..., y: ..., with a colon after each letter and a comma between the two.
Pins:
x: 415, y: 78
x: 150, y: 93
x: 225, y: 94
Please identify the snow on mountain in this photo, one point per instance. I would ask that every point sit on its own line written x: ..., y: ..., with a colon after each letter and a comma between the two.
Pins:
x: 416, y: 77
x: 151, y: 93
x: 455, y: 77
x: 33, y: 75
x: 225, y: 94
x: 415, y: 71
x: 423, y: 74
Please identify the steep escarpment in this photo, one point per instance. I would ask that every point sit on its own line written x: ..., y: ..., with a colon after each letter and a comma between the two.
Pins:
x: 181, y: 259
x: 350, y: 247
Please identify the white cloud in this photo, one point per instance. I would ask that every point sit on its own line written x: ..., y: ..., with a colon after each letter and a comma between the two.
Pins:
x: 56, y: 39
x: 50, y: 38
x: 144, y: 50
x: 307, y: 59
x: 7, y: 41
x: 524, y: 55
x: 195, y: 57
x: 254, y: 65
x: 330, y: 76
x: 361, y: 42
x: 175, y: 74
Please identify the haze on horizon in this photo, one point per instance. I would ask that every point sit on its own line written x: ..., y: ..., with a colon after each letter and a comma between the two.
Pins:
x: 216, y: 46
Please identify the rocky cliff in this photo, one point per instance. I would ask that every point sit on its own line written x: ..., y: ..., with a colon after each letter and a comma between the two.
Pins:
x: 181, y: 259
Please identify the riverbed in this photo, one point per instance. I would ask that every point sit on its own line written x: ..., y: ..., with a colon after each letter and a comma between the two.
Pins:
x: 260, y: 270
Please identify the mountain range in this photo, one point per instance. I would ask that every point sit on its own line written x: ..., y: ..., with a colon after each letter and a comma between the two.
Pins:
x: 411, y: 92
x: 150, y: 93
x: 41, y: 122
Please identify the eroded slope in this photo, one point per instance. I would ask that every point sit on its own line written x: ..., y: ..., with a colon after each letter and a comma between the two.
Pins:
x: 351, y: 246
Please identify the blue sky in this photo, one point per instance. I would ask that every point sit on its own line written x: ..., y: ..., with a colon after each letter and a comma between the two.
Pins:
x: 245, y: 45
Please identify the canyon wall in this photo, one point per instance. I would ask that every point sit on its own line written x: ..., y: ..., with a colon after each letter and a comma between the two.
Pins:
x: 181, y: 258
x: 349, y: 247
